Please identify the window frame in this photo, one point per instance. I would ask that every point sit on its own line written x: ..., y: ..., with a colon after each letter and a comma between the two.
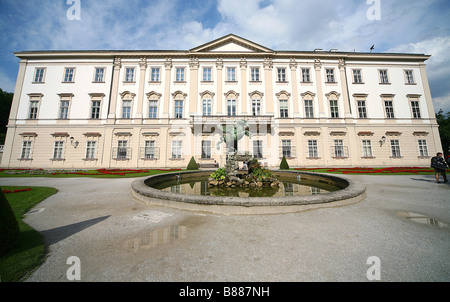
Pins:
x: 367, y: 151
x: 281, y: 75
x: 177, y: 149
x: 232, y: 74
x: 395, y: 148
x: 25, y: 153
x: 313, y: 150
x: 306, y: 72
x: 206, y: 149
x: 330, y: 77
x: 357, y: 78
x: 255, y: 75
x: 180, y: 74
x: 258, y: 144
x: 384, y: 78
x: 58, y: 150
x: 102, y: 80
x: 42, y: 77
x: 207, y: 73
x: 155, y: 75
x: 126, y: 78
x: 423, y: 148
x: 91, y: 150
x: 65, y: 75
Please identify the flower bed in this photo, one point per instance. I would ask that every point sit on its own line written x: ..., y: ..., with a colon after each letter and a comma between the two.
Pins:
x: 97, y: 172
x: 359, y: 170
x: 16, y: 190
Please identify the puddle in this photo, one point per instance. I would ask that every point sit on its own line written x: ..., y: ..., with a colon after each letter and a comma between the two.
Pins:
x: 162, y: 235
x: 152, y: 216
x: 420, y: 218
x: 35, y: 211
x: 156, y: 237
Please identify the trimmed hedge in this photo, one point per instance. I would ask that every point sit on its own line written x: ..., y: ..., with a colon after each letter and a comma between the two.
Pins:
x: 192, y: 164
x: 284, y: 165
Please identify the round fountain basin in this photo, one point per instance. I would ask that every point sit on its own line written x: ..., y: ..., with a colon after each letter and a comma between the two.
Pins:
x: 312, y: 191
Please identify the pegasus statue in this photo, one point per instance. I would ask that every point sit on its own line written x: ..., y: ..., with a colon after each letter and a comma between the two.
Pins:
x: 233, y: 133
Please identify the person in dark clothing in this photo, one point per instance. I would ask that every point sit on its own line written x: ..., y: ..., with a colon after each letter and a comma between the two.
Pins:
x: 439, y: 165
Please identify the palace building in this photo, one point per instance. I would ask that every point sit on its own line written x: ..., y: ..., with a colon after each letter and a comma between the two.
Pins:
x: 158, y: 108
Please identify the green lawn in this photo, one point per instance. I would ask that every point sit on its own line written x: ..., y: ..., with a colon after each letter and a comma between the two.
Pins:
x: 29, y: 252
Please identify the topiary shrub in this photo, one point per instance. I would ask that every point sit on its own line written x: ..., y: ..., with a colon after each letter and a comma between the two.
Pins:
x: 284, y: 165
x: 192, y: 164
x: 8, y: 225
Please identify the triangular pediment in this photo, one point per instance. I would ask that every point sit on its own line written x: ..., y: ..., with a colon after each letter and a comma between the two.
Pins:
x: 231, y: 44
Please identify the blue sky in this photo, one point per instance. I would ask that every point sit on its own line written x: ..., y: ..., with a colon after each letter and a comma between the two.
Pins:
x: 413, y: 26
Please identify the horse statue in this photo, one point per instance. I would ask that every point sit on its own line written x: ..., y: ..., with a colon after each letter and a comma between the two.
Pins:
x: 233, y: 133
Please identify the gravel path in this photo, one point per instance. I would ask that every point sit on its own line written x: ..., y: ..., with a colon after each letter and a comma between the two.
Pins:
x: 117, y: 238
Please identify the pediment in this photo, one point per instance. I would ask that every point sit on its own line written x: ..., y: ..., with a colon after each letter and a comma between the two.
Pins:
x: 231, y: 44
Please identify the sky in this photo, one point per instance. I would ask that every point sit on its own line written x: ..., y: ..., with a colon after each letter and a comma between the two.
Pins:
x: 405, y: 26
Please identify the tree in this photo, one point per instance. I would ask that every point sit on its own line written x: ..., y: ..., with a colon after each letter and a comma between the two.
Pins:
x: 8, y: 225
x: 5, y: 107
x: 444, y: 130
x: 192, y: 164
x: 284, y: 164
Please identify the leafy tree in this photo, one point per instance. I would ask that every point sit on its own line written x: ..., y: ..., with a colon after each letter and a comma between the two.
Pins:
x: 444, y: 130
x: 8, y: 225
x: 5, y: 107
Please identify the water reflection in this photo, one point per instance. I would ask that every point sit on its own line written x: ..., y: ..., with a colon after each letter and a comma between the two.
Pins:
x: 421, y: 219
x: 202, y: 188
x: 156, y: 237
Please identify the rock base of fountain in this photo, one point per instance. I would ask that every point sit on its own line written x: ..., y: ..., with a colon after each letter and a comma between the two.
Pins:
x: 243, y: 178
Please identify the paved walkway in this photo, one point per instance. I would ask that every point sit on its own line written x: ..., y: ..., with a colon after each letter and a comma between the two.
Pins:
x: 118, y: 239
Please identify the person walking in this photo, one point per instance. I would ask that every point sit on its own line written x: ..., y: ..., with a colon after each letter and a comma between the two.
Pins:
x: 439, y: 165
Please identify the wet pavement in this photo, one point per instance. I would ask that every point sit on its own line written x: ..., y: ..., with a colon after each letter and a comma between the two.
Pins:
x: 404, y: 222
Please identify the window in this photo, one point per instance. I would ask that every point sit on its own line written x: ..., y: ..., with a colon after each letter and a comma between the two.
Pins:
x: 339, y: 148
x: 409, y: 77
x: 305, y: 75
x: 281, y: 74
x: 149, y: 150
x: 312, y: 148
x: 231, y: 107
x: 206, y: 149
x: 207, y: 76
x: 179, y: 75
x: 91, y: 147
x: 367, y: 148
x: 176, y: 149
x: 129, y: 74
x: 64, y: 110
x: 34, y: 105
x: 357, y: 78
x: 362, y: 111
x: 334, y: 109
x: 286, y: 148
x: 254, y: 74
x: 206, y: 107
x: 384, y: 77
x: 309, y: 109
x: 330, y: 75
x: 395, y: 148
x: 58, y: 150
x: 389, y: 107
x: 95, y: 110
x: 257, y: 149
x: 69, y: 75
x: 126, y: 109
x: 231, y: 74
x: 284, y: 108
x: 423, y: 149
x: 178, y: 109
x: 122, y: 149
x: 256, y: 107
x: 39, y: 75
x: 415, y: 109
x: 99, y: 74
x: 152, y: 109
x: 154, y: 77
x: 26, y: 150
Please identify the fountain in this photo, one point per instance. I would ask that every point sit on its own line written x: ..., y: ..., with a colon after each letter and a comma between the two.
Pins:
x: 256, y: 190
